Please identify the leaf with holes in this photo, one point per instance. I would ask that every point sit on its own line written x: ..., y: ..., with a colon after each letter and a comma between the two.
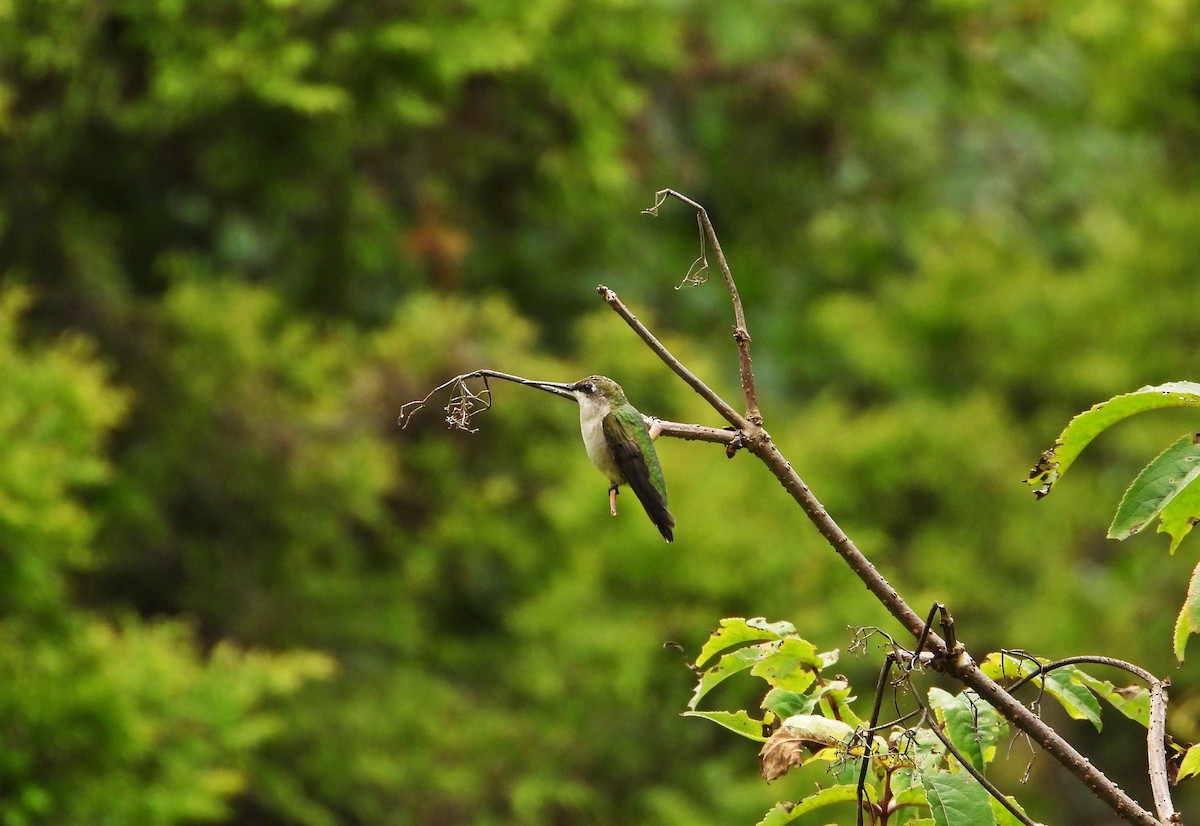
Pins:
x: 738, y: 631
x: 726, y: 667
x: 793, y: 665
x: 1088, y: 425
x: 1180, y: 515
x: 799, y: 734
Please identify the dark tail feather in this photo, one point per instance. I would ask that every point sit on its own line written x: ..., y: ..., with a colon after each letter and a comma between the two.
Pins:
x: 656, y: 509
x: 633, y: 467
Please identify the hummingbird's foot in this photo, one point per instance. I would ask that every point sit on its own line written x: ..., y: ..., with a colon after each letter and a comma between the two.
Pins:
x: 612, y: 500
x: 655, y: 429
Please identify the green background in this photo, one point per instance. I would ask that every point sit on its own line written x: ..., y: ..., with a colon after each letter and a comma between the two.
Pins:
x: 236, y: 236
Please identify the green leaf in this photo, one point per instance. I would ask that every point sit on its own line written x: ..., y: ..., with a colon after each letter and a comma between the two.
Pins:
x: 737, y: 631
x: 1133, y: 700
x: 1167, y: 475
x: 1180, y: 514
x: 1190, y: 765
x: 736, y: 721
x: 725, y: 668
x: 786, y: 703
x: 1086, y: 426
x: 781, y: 814
x: 835, y: 699
x: 1079, y: 702
x: 1003, y: 816
x: 793, y: 666
x: 957, y: 799
x: 1188, y: 622
x: 1005, y: 667
x: 970, y: 723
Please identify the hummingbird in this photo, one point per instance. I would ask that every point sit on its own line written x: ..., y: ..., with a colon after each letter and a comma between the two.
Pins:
x: 619, y: 444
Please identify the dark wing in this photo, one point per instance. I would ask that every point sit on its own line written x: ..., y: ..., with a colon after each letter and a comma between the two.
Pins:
x: 631, y: 447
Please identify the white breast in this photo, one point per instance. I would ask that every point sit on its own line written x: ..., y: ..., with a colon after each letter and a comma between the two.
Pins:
x: 591, y: 423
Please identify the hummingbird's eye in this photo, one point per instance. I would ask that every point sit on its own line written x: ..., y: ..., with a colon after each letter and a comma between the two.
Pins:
x: 588, y: 387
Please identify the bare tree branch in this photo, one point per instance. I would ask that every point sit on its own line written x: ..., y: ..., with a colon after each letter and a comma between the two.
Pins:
x: 953, y: 661
x: 698, y: 432
x: 741, y: 334
x: 1156, y: 752
x: 709, y: 395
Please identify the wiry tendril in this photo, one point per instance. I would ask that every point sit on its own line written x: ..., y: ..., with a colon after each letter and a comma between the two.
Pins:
x: 465, y: 403
x: 697, y: 273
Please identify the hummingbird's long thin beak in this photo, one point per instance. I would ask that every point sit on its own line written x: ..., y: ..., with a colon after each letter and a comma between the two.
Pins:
x: 555, y: 387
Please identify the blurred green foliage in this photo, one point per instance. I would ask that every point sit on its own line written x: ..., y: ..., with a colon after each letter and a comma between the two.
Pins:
x: 236, y: 236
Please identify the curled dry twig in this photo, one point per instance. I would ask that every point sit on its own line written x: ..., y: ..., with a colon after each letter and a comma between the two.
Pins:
x: 465, y: 404
x: 697, y: 273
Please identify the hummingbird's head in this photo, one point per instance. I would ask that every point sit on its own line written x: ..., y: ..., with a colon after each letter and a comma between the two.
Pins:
x: 600, y: 391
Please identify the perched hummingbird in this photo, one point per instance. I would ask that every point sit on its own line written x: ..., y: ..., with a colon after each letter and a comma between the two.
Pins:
x: 619, y: 443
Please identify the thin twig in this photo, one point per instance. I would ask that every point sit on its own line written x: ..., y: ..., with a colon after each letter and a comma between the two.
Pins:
x: 462, y: 406
x: 1093, y: 659
x: 720, y: 405
x: 880, y: 686
x: 924, y: 634
x: 965, y: 762
x: 741, y: 335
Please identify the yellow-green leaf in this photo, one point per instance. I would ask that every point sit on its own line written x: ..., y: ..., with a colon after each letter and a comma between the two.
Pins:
x: 737, y: 721
x: 1086, y: 426
x: 1190, y: 765
x: 1188, y: 622
x: 738, y: 631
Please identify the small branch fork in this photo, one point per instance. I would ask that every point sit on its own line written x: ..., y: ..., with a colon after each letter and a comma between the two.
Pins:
x: 465, y: 404
x: 909, y: 661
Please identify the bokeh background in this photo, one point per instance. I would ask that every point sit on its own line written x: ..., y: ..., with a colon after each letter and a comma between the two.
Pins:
x: 235, y: 236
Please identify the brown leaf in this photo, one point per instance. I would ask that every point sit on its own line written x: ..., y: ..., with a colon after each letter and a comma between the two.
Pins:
x: 785, y: 748
x: 780, y: 753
